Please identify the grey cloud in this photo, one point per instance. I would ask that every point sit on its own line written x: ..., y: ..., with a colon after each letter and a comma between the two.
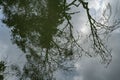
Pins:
x: 95, y: 71
x: 91, y: 69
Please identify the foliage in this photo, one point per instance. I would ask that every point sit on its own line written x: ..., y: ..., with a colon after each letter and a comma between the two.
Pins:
x: 36, y: 29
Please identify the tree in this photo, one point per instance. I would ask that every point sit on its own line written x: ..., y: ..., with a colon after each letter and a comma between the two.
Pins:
x: 2, y: 69
x: 35, y: 27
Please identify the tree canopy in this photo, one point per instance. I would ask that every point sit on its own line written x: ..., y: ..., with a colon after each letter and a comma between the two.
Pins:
x: 43, y: 30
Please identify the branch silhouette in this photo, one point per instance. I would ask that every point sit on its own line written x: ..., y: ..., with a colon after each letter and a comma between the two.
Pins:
x: 35, y: 27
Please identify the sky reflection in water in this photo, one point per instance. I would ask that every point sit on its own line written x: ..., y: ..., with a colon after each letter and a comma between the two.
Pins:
x: 86, y: 68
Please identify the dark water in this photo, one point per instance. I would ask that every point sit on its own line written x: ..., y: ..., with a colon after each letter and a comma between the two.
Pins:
x: 46, y: 40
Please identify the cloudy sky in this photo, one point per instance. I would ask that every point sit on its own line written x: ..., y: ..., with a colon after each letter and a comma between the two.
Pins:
x: 86, y: 68
x: 90, y: 68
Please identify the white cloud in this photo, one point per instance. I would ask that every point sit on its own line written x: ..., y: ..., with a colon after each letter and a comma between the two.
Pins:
x: 95, y: 4
x: 85, y: 69
x: 78, y: 78
x: 3, y: 49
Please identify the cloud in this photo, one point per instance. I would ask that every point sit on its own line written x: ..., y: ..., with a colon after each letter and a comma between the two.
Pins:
x: 86, y: 68
x: 94, y: 4
x: 8, y: 51
x: 3, y: 49
x: 90, y: 68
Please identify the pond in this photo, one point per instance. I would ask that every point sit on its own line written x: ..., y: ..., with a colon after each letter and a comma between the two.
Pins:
x: 59, y: 40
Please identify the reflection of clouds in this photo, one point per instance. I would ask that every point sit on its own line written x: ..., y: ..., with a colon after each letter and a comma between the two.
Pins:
x: 96, y: 10
x: 78, y: 78
x: 4, y: 40
x: 90, y: 68
x: 8, y: 51
x: 3, y: 49
x: 85, y: 30
x: 86, y: 69
x: 94, y: 71
x: 95, y: 4
x: 1, y: 14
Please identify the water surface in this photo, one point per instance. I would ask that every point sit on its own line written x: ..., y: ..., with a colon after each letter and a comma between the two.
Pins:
x: 39, y: 40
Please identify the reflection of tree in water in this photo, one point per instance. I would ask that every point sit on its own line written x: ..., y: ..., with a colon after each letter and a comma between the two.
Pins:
x: 34, y: 26
x: 2, y: 69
